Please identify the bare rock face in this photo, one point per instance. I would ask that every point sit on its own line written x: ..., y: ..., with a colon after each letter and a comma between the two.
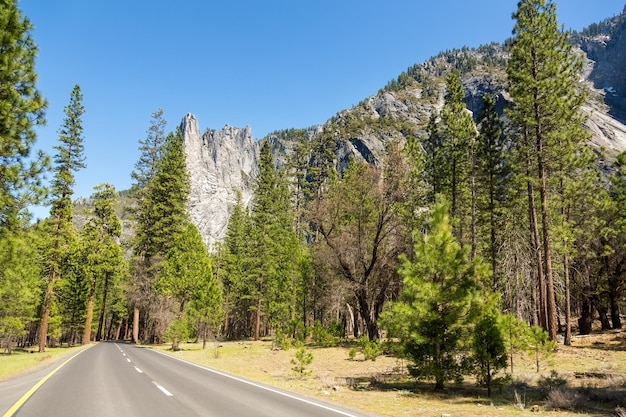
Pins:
x: 221, y: 163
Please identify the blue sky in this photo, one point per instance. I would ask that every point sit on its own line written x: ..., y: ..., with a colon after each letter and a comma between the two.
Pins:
x: 270, y: 65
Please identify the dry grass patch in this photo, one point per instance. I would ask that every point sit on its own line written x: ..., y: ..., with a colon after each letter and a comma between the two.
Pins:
x: 382, y: 386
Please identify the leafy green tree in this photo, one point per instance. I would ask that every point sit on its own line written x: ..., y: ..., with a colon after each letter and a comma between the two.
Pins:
x: 19, y: 284
x: 233, y: 271
x: 543, y: 75
x: 539, y: 344
x: 151, y: 151
x: 361, y: 234
x: 274, y: 268
x: 21, y: 109
x: 513, y: 333
x: 458, y: 150
x: 488, y: 349
x: 103, y: 256
x: 187, y: 277
x: 439, y: 303
x: 302, y: 360
x: 162, y: 214
x: 491, y: 180
x: 61, y: 230
x: 434, y: 159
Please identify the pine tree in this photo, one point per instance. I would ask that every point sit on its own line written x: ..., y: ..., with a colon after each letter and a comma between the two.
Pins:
x: 274, y: 268
x: 234, y: 272
x: 151, y: 150
x: 544, y: 86
x: 439, y: 302
x: 62, y: 234
x: 162, y: 214
x: 21, y: 109
x: 19, y: 284
x: 489, y: 350
x: 492, y: 179
x: 434, y: 161
x: 458, y: 150
x: 187, y: 277
x: 103, y: 255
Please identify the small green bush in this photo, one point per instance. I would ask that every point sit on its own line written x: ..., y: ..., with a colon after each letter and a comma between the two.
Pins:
x: 302, y: 360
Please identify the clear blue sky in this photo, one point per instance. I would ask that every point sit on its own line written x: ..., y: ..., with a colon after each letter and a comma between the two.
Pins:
x: 270, y: 65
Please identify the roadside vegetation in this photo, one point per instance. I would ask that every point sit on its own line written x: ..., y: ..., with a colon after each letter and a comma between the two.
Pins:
x: 587, y: 378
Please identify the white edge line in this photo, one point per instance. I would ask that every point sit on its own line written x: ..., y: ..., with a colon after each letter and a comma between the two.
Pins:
x: 275, y: 391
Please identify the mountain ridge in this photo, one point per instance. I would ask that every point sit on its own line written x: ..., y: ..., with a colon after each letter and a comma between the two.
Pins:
x: 401, y: 109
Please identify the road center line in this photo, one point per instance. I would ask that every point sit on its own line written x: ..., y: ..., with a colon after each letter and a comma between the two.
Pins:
x: 163, y: 390
x: 128, y: 360
x: 138, y: 370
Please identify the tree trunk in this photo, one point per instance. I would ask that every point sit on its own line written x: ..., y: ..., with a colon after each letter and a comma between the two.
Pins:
x: 615, y: 311
x: 45, y: 316
x: 89, y: 313
x: 136, y: 325
x: 568, y: 307
x: 586, y: 315
x: 364, y: 308
x: 103, y: 308
x: 534, y: 226
x: 257, y: 320
x: 88, y: 320
x: 602, y: 312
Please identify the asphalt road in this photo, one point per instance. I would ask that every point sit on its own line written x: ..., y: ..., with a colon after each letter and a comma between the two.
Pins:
x: 119, y: 379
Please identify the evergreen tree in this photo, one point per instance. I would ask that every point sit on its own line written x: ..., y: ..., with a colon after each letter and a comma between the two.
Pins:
x: 19, y: 285
x: 439, y: 303
x: 458, y: 152
x: 492, y: 180
x: 234, y: 273
x: 102, y: 253
x: 488, y: 349
x: 151, y: 150
x: 274, y: 268
x: 62, y: 234
x: 544, y: 86
x: 162, y: 214
x: 21, y: 109
x: 434, y: 161
x: 187, y: 277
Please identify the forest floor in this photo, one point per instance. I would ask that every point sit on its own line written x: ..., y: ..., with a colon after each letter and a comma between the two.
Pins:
x: 587, y: 378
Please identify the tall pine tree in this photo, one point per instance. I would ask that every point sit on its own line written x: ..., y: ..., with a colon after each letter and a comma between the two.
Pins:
x: 21, y: 109
x: 61, y: 230
x: 543, y: 75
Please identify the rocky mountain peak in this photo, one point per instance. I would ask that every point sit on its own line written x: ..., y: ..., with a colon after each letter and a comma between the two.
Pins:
x: 221, y: 164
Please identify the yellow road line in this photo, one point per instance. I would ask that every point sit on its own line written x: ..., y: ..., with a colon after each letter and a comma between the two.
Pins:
x: 30, y: 392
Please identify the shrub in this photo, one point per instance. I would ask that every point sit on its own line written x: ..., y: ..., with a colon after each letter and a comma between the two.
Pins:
x: 371, y: 349
x: 352, y: 353
x: 302, y: 359
x: 322, y: 336
x: 562, y: 399
x: 552, y: 382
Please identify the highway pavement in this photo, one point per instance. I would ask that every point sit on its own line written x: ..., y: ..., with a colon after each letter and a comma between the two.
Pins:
x: 122, y: 379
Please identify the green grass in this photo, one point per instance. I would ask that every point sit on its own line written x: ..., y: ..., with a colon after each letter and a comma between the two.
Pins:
x: 21, y: 360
